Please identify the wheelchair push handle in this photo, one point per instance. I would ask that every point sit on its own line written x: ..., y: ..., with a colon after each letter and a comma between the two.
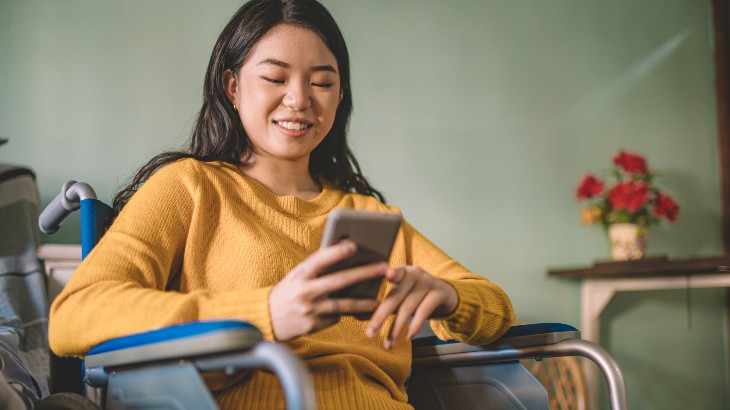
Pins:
x: 67, y: 201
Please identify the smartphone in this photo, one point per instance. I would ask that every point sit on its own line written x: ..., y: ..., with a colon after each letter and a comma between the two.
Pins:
x: 373, y: 232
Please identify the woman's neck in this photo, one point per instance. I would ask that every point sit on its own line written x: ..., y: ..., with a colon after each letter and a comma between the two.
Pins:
x: 283, y: 178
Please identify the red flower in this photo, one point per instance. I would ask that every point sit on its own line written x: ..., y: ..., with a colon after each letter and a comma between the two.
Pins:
x: 589, y: 187
x: 629, y: 195
x: 630, y: 162
x: 666, y: 207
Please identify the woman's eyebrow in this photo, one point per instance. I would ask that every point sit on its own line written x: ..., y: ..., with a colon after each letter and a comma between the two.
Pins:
x: 279, y: 63
x: 325, y: 67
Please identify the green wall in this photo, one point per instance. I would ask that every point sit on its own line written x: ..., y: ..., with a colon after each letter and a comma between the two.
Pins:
x: 477, y: 118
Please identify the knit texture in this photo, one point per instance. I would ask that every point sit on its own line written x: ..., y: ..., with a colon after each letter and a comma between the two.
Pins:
x: 223, y: 241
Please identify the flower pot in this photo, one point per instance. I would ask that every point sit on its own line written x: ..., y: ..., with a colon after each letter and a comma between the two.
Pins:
x: 628, y: 241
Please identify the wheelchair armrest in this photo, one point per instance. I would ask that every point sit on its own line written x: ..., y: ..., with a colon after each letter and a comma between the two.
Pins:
x: 177, y: 341
x: 534, y: 341
x: 213, y: 345
x: 537, y: 334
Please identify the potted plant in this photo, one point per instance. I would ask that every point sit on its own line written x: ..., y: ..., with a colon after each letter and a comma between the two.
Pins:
x: 626, y: 204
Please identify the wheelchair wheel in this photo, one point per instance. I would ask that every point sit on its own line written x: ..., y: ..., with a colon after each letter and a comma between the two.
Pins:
x: 66, y: 401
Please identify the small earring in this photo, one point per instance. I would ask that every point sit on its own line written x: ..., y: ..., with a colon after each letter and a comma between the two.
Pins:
x: 235, y: 107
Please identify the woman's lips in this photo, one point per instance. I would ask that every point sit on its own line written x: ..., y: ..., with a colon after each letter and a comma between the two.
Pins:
x: 293, y: 128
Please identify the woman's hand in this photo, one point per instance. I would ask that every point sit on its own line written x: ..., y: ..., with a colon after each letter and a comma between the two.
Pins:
x: 415, y: 294
x: 300, y: 305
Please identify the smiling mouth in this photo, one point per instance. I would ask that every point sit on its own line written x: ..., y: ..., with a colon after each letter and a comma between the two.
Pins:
x: 292, y: 125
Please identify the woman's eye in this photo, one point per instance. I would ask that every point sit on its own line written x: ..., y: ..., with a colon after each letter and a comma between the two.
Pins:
x: 273, y: 80
x: 322, y: 85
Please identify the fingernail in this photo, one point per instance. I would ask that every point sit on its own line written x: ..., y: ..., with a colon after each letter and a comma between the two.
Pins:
x: 370, y: 332
x: 388, y: 344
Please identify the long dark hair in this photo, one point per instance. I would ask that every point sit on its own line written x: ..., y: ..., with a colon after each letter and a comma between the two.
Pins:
x: 219, y: 135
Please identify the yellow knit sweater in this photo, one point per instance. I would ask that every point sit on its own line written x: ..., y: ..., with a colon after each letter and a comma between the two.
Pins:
x: 228, y: 241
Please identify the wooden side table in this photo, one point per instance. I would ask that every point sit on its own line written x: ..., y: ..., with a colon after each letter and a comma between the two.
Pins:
x: 604, y: 279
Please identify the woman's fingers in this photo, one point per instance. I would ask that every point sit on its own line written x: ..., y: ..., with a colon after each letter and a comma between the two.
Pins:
x: 299, y: 304
x: 325, y: 321
x: 392, y: 301
x: 346, y: 306
x: 406, y: 309
x: 339, y: 280
x: 396, y: 274
x: 326, y: 257
x: 422, y: 314
x: 416, y: 295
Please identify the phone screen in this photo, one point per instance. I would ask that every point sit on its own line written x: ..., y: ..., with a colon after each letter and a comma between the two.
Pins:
x: 373, y: 232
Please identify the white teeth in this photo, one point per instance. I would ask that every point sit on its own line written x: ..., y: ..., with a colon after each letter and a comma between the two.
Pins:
x: 292, y: 125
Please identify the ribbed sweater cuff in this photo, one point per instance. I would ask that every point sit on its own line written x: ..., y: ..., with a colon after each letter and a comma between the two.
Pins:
x: 251, y: 305
x: 469, y: 304
x: 482, y: 315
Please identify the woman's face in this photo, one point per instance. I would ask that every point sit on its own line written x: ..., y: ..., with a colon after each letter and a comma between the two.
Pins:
x: 286, y: 93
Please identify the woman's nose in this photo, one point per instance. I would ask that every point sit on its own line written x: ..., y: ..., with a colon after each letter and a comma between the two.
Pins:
x: 298, y: 96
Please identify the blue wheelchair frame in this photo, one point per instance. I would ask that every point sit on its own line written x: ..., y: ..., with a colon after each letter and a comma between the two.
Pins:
x: 133, y: 371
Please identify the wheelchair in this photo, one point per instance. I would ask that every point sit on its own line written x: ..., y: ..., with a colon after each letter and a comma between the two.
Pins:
x: 162, y: 368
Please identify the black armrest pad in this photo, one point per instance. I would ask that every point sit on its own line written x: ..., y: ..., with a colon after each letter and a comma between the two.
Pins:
x: 536, y: 334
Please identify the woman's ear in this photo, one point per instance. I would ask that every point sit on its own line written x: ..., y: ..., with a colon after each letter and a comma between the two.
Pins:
x: 230, y: 85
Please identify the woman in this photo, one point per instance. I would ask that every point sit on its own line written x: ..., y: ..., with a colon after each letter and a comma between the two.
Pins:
x: 233, y: 227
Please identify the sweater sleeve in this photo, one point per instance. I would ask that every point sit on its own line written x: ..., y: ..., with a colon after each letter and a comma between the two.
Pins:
x: 484, y: 312
x: 119, y: 289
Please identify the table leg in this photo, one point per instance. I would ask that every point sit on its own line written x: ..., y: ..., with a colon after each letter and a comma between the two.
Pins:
x: 594, y: 298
